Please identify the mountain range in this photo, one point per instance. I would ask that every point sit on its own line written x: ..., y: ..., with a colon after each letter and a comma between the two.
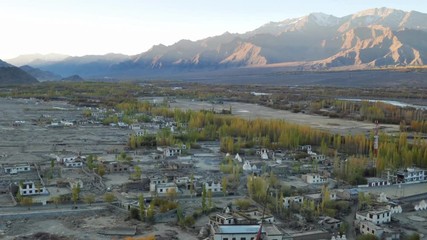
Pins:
x: 368, y: 39
x: 10, y: 74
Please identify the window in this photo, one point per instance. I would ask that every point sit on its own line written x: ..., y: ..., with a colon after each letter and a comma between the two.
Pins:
x: 225, y: 238
x: 242, y: 238
x: 233, y: 239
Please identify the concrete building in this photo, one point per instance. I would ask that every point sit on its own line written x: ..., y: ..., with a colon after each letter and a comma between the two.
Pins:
x: 318, y: 158
x: 15, y: 169
x: 29, y: 188
x: 212, y: 186
x: 411, y: 175
x: 155, y: 181
x: 116, y: 167
x: 330, y: 224
x: 74, y: 164
x: 170, y: 152
x: 314, y: 178
x: 381, y: 232
x: 247, y: 232
x: 376, y: 217
x: 288, y: 201
x: 166, y: 188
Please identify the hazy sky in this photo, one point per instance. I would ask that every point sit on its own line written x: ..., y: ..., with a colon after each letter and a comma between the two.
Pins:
x: 80, y: 27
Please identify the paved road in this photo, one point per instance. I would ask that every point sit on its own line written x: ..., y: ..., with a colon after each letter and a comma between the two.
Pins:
x: 48, y: 210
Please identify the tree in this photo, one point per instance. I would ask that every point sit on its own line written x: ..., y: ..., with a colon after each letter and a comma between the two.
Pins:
x: 192, y: 185
x: 150, y: 212
x: 210, y: 204
x: 27, y: 201
x: 414, y: 236
x: 101, y: 170
x: 56, y: 200
x: 243, y: 204
x: 204, y: 198
x: 52, y: 166
x: 89, y: 198
x: 137, y: 174
x: 141, y: 203
x: 224, y: 183
x: 75, y: 193
x: 367, y: 237
x: 109, y: 197
x: 180, y: 215
x: 171, y: 194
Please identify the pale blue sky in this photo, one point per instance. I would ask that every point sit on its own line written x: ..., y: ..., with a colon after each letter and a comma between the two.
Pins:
x: 79, y: 27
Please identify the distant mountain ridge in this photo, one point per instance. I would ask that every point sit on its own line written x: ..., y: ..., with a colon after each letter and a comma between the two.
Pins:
x: 11, y: 75
x: 367, y: 39
x: 40, y: 74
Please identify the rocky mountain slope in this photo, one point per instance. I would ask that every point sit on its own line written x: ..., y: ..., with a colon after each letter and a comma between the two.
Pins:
x: 11, y: 75
x: 367, y: 39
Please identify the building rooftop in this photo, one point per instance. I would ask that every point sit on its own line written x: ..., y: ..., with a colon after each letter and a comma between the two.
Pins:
x: 243, y: 229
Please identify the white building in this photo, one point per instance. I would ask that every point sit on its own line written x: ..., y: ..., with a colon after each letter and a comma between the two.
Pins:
x: 170, y: 152
x: 288, y: 201
x: 29, y: 188
x: 74, y: 164
x: 412, y: 175
x: 247, y: 166
x: 314, y: 179
x: 166, y: 188
x: 139, y: 133
x: 264, y: 154
x: 376, y: 217
x: 17, y: 168
x: 155, y: 181
x: 317, y: 158
x: 135, y: 126
x: 238, y: 158
x: 213, y: 187
x: 222, y: 219
x: 240, y: 232
x: 247, y: 232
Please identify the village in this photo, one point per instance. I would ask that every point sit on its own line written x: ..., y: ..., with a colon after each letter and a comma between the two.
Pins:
x: 61, y: 160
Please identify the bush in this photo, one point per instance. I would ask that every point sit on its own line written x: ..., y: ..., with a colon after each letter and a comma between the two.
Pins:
x: 134, y: 214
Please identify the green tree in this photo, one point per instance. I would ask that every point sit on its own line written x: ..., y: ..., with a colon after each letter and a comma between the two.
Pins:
x: 109, y: 197
x: 75, y: 193
x: 180, y: 215
x: 27, y: 201
x: 224, y: 183
x: 414, y: 236
x: 56, y: 200
x: 101, y: 170
x: 210, y: 204
x: 171, y: 194
x: 204, y: 207
x: 137, y: 174
x: 141, y: 203
x: 192, y: 185
x: 150, y: 212
x: 243, y: 204
x: 367, y: 237
x: 89, y: 198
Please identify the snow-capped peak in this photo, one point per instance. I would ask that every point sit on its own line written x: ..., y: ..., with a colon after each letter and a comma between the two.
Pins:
x: 322, y: 19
